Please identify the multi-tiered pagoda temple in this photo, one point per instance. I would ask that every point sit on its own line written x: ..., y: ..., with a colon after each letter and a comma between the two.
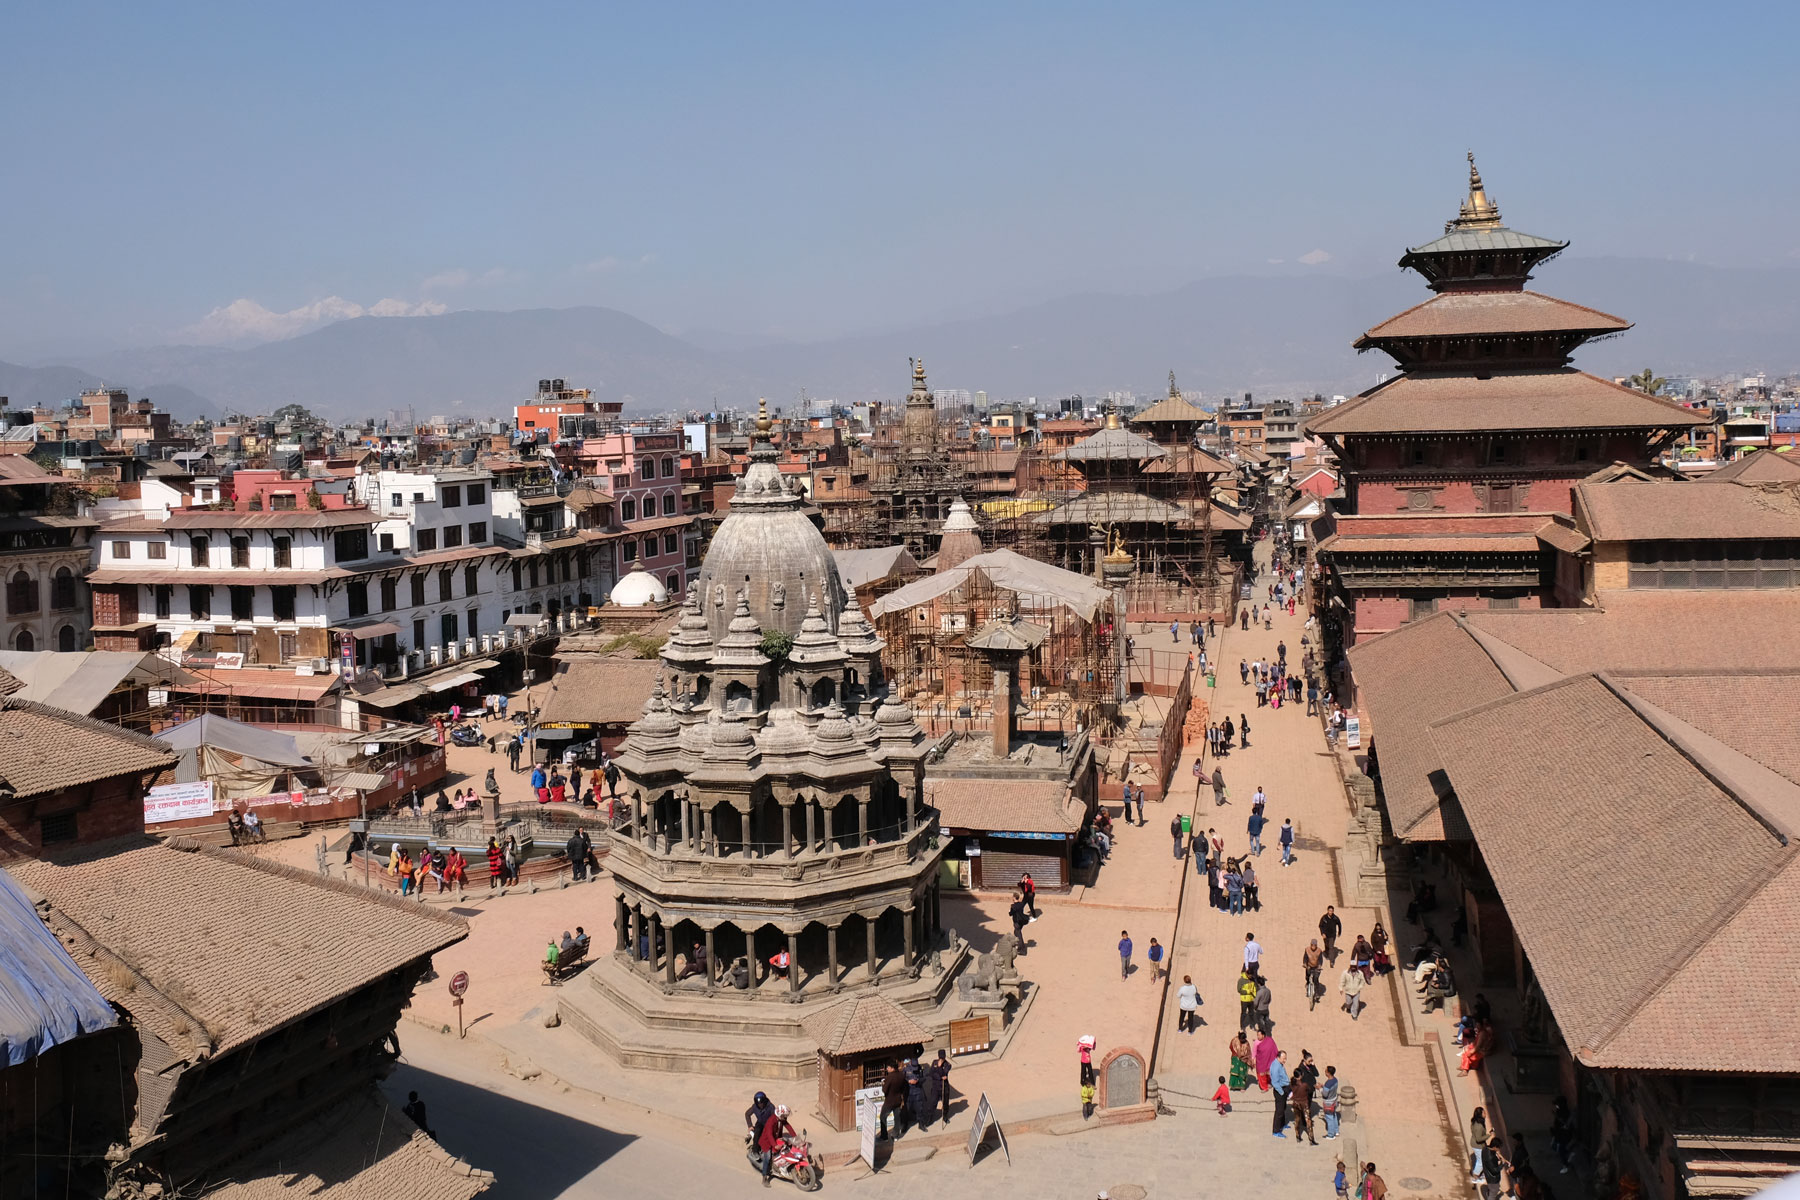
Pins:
x: 1458, y: 472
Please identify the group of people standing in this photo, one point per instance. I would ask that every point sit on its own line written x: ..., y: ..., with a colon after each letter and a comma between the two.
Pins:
x: 914, y: 1095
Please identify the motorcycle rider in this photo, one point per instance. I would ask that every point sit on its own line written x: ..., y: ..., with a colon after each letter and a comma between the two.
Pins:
x: 775, y: 1131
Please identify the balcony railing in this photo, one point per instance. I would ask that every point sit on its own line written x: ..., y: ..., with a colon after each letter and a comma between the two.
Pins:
x: 766, y: 862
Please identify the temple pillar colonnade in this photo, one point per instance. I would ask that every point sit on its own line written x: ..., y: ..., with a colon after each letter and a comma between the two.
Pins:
x: 831, y: 955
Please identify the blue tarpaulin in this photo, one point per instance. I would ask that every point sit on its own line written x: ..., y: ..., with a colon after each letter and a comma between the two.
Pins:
x: 45, y: 1000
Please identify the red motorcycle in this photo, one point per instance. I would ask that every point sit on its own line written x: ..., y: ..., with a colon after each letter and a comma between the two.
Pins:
x: 792, y: 1161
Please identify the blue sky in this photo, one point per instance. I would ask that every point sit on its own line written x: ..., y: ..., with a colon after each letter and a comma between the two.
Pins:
x: 188, y: 172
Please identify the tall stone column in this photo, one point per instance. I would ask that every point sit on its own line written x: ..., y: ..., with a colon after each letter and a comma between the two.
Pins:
x: 620, y: 921
x: 655, y: 931
x: 793, y: 946
x: 831, y: 961
x: 687, y: 824
x: 637, y: 818
x: 907, y: 916
x: 871, y: 966
x: 637, y: 931
x: 862, y: 822
x: 787, y: 830
x: 668, y: 955
x: 708, y: 845
x: 712, y: 961
x: 811, y: 843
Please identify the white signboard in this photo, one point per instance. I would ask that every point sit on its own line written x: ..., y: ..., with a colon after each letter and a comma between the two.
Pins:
x: 178, y: 801
x: 1353, y: 732
x: 868, y: 1118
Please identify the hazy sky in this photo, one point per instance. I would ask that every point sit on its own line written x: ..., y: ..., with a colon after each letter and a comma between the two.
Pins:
x: 179, y: 172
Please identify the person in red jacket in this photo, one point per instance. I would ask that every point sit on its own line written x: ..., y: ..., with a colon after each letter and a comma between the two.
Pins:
x: 775, y: 1130
x: 496, y: 865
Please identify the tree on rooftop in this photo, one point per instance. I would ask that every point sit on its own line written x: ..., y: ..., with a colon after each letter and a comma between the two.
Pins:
x: 1646, y: 381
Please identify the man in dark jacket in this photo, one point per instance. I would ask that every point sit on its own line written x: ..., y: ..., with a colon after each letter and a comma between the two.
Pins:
x: 1019, y: 917
x: 893, y: 1102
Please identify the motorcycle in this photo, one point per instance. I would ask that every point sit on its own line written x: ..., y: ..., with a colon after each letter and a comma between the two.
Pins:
x: 467, y: 735
x: 792, y: 1161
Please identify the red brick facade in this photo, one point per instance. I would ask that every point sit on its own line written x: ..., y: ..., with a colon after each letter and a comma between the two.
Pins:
x: 108, y: 809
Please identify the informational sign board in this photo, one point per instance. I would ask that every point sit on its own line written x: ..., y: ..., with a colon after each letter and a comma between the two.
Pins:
x: 868, y: 1120
x: 178, y: 802
x: 1353, y: 732
x: 971, y: 1035
x: 985, y: 1123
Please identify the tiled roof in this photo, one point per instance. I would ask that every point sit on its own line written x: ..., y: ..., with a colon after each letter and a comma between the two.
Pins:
x: 1111, y: 444
x: 1466, y: 314
x: 1629, y: 943
x: 1651, y: 629
x: 864, y: 1024
x: 1407, y: 679
x: 1758, y: 466
x: 1004, y: 805
x: 1172, y: 408
x: 1511, y: 400
x: 1640, y: 512
x: 9, y: 683
x: 243, y: 944
x: 43, y: 749
x: 1750, y: 711
x: 1738, y: 689
x: 17, y: 469
x: 600, y: 691
x: 362, y: 1149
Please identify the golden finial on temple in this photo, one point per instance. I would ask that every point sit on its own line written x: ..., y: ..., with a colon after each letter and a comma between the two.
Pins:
x: 763, y: 424
x: 1174, y: 392
x: 918, y: 366
x: 1478, y: 211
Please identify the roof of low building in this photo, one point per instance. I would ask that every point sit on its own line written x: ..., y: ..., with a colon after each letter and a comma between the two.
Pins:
x: 1415, y: 403
x: 361, y: 1149
x: 67, y: 750
x: 1758, y: 466
x: 1024, y: 577
x: 1004, y: 805
x: 1737, y: 689
x: 1632, y: 511
x: 1476, y: 314
x: 858, y: 567
x: 1111, y: 443
x: 599, y: 691
x: 1628, y: 956
x: 235, y: 737
x: 863, y: 1024
x: 77, y: 681
x: 242, y: 944
x: 1111, y: 507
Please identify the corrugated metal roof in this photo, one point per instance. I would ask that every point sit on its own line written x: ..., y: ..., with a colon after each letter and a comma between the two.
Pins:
x: 1472, y: 240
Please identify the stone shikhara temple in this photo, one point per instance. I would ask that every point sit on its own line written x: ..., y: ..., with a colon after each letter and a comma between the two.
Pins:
x: 776, y: 807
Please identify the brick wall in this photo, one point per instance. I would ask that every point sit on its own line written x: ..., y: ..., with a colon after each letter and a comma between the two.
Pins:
x: 108, y: 809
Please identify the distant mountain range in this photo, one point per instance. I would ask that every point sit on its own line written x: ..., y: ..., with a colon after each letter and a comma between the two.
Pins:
x: 1274, y: 336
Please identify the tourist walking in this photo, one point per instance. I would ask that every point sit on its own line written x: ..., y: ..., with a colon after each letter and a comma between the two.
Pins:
x: 1243, y: 732
x: 1329, y: 928
x: 1218, y: 786
x: 1175, y: 829
x: 1351, y: 985
x: 1264, y: 998
x: 1155, y: 955
x: 1246, y: 990
x: 1138, y: 799
x: 1328, y: 1102
x: 1252, y: 953
x: 1255, y: 825
x: 1187, y: 1003
x: 1312, y: 961
x: 1017, y: 912
x: 1124, y: 954
x: 1028, y: 893
x: 1287, y: 841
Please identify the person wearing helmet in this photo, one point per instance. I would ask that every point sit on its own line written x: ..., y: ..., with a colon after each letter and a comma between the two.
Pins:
x: 775, y: 1131
x: 759, y: 1111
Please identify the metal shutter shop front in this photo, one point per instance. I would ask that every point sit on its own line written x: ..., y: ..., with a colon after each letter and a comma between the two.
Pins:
x: 1000, y: 869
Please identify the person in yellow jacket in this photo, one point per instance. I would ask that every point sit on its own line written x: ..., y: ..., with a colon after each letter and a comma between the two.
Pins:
x: 1246, y: 990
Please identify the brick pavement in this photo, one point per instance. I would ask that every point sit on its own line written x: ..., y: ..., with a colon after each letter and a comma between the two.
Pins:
x: 1288, y: 757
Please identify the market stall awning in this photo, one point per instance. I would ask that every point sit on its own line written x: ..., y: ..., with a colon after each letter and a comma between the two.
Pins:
x: 363, y: 633
x: 362, y: 781
x: 527, y: 620
x: 457, y: 680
